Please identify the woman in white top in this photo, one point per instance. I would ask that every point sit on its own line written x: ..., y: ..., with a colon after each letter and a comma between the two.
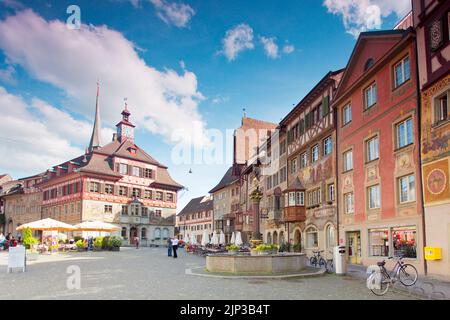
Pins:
x: 174, y: 247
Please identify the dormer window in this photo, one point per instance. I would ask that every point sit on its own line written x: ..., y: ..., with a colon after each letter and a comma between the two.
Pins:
x: 132, y: 150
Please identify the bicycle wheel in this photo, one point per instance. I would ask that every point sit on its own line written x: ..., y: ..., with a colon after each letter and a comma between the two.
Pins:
x: 313, y: 261
x: 408, y: 275
x: 322, y: 263
x: 384, y: 287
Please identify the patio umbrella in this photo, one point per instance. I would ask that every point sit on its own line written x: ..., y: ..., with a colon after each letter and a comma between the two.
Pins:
x: 238, y: 240
x: 222, y: 238
x: 233, y: 238
x: 193, y: 239
x: 47, y: 225
x: 205, y: 238
x: 96, y: 226
x: 215, y: 239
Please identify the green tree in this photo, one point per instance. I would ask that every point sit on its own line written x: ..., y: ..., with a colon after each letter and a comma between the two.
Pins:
x: 28, y: 239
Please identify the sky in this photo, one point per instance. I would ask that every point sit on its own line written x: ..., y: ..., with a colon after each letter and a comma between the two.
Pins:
x: 186, y: 68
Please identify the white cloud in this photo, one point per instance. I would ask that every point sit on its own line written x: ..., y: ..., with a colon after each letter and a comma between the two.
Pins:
x: 270, y: 47
x: 236, y: 40
x: 288, y: 48
x: 34, y: 141
x: 7, y: 75
x: 178, y: 14
x: 160, y: 101
x: 362, y: 15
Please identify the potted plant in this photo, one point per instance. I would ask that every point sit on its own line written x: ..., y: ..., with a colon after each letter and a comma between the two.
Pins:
x: 232, y: 249
x: 106, y: 245
x: 80, y: 245
x: 98, y: 242
x: 264, y: 249
x: 30, y: 244
x: 115, y: 243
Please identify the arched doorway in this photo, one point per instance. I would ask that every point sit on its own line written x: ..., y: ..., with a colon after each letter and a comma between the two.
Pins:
x: 275, y: 237
x: 297, y: 236
x: 133, y: 234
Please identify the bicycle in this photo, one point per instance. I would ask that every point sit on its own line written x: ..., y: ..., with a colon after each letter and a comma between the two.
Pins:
x: 404, y: 272
x: 317, y: 259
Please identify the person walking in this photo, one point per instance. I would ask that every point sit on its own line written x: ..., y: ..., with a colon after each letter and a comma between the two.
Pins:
x: 169, y: 247
x: 136, y: 240
x: 175, y: 247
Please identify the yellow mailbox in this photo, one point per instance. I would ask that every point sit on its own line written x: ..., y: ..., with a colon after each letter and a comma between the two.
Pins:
x: 433, y: 253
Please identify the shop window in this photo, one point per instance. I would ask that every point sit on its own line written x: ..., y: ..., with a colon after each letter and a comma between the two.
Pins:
x: 312, y: 238
x: 379, y: 242
x: 404, y: 241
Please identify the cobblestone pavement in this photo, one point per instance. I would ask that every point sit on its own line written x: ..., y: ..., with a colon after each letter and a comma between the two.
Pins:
x: 148, y: 273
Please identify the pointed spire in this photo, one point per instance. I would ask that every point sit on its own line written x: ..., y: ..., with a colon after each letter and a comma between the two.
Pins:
x: 95, y: 138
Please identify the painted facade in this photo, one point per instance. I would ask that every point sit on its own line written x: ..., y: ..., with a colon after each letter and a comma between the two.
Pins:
x: 196, y: 217
x: 380, y: 206
x: 432, y: 21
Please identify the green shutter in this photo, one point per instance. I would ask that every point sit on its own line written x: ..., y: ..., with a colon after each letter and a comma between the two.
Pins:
x: 307, y: 121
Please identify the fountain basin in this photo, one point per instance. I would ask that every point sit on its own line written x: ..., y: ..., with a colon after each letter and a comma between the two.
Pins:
x: 248, y: 264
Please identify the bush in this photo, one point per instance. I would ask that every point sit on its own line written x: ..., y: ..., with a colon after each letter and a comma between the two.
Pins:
x: 232, y: 247
x: 76, y: 238
x: 297, y: 247
x: 266, y: 247
x: 115, y: 242
x: 98, y: 242
x: 28, y: 239
x: 79, y: 243
x: 106, y: 244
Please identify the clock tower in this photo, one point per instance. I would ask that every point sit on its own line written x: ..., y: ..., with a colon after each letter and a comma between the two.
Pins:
x: 125, y: 129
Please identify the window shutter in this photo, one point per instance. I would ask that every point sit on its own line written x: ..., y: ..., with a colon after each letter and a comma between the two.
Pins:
x: 102, y: 187
x: 325, y: 105
x: 302, y: 126
x: 307, y: 121
x: 117, y: 167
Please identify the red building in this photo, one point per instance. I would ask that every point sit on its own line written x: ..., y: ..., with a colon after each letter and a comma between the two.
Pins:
x: 379, y: 182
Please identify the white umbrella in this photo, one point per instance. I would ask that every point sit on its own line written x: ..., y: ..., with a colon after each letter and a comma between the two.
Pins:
x: 187, y: 240
x: 222, y: 238
x: 233, y: 238
x: 238, y: 240
x: 47, y: 225
x: 96, y: 226
x: 205, y: 238
x: 215, y: 239
x: 193, y: 239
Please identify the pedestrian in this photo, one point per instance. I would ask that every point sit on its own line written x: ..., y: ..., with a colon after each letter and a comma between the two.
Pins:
x: 169, y: 247
x: 175, y: 247
x: 19, y: 238
x: 136, y: 241
x: 8, y: 236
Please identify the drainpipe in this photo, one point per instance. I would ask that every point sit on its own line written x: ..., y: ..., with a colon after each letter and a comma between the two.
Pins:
x: 337, y: 193
x: 419, y: 138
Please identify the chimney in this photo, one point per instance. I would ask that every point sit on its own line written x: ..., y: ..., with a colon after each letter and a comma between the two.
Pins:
x: 114, y: 137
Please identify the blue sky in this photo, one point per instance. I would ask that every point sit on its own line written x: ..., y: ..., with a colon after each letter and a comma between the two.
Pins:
x: 170, y: 60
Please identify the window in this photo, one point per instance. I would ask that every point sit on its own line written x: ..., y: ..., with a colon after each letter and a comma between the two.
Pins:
x: 147, y: 194
x: 347, y: 114
x: 304, y: 160
x: 136, y: 193
x: 348, y: 160
x: 124, y: 210
x: 108, y: 209
x: 159, y: 195
x: 109, y: 188
x: 124, y: 232
x: 401, y: 72
x: 283, y: 176
x: 123, y: 168
x: 330, y: 242
x: 374, y: 196
x: 404, y: 242
x: 407, y: 189
x: 94, y: 187
x: 135, y: 209
x: 293, y: 166
x: 372, y: 149
x: 169, y: 197
x: 312, y: 238
x: 144, y: 211
x: 379, y: 242
x: 314, y: 198
x: 441, y: 108
x: 136, y: 171
x: 282, y: 147
x: 148, y: 173
x: 158, y: 213
x: 404, y: 133
x: 331, y: 192
x: 327, y: 146
x: 144, y: 233
x: 300, y: 198
x: 370, y: 96
x: 165, y: 233
x: 348, y: 203
x: 315, y: 153
x: 291, y: 199
x: 157, y: 234
x: 123, y: 191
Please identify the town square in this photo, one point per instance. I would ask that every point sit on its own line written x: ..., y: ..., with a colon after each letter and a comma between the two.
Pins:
x: 213, y: 150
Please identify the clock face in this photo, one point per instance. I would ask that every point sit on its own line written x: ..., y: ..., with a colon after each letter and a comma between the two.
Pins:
x: 127, y: 132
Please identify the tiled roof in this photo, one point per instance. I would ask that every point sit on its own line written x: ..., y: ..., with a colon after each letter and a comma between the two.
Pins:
x: 227, y: 179
x: 122, y: 149
x: 197, y: 205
